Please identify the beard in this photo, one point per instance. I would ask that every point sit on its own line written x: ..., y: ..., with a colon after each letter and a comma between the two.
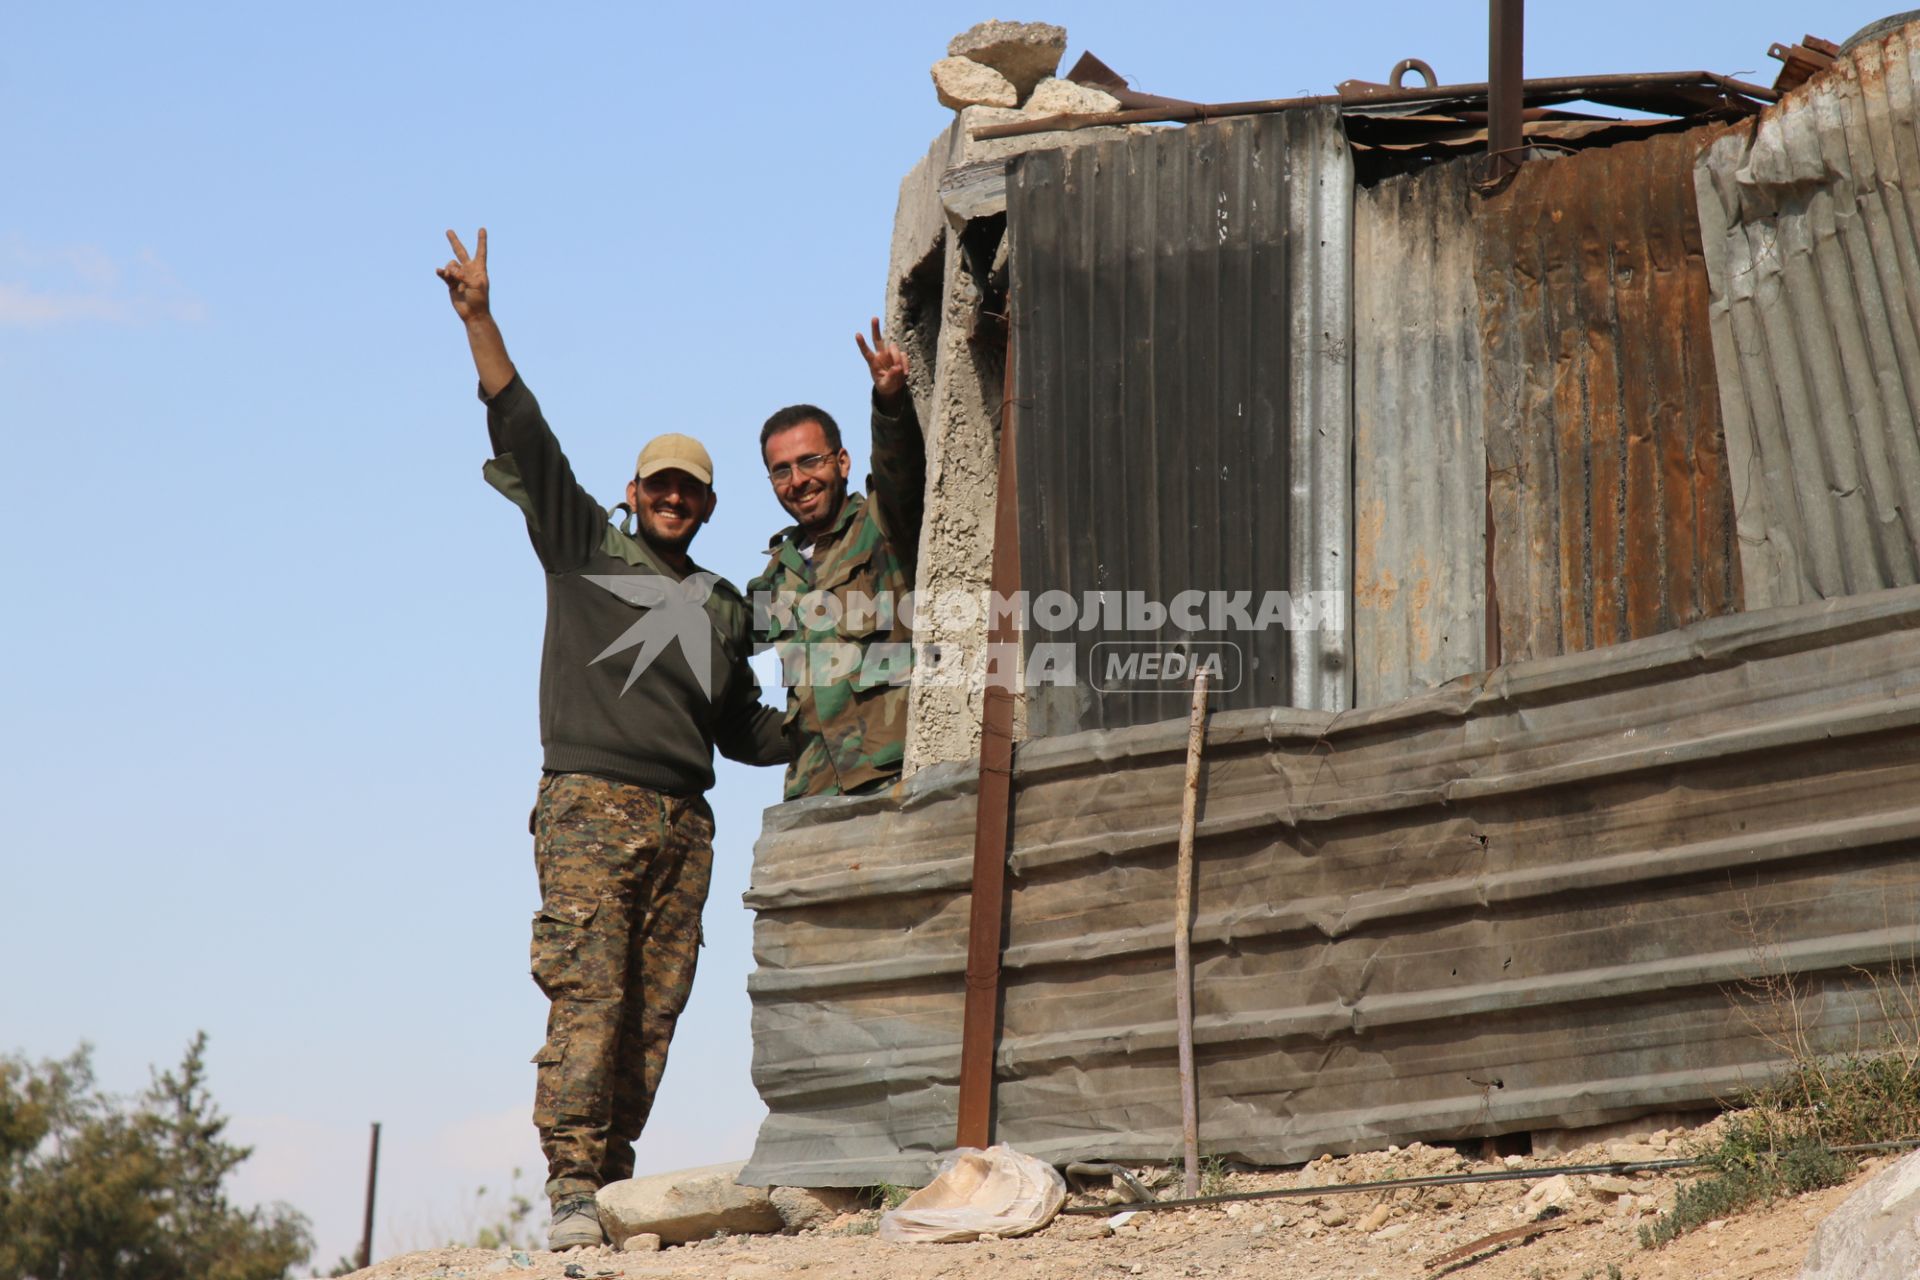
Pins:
x: 837, y: 499
x: 659, y: 541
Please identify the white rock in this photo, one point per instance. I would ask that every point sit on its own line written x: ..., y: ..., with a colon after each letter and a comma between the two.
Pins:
x: 1064, y: 97
x: 1557, y: 1190
x: 1024, y: 52
x: 803, y: 1207
x: 1606, y: 1188
x: 1875, y: 1233
x: 1317, y: 1174
x: 645, y: 1242
x: 962, y: 82
x: 690, y: 1204
x: 1631, y: 1152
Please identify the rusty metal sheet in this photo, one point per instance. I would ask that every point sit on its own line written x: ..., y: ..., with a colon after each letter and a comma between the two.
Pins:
x: 1182, y: 318
x: 1420, y: 568
x: 1612, y: 509
x: 1812, y: 217
x: 1521, y: 901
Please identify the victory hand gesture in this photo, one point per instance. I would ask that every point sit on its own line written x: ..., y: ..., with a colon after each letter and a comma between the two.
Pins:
x: 467, y: 278
x: 886, y: 362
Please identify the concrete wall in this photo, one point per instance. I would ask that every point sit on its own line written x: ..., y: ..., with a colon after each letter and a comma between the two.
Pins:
x: 935, y: 290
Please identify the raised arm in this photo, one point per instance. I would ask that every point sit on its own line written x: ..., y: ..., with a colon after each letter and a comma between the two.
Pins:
x: 466, y: 279
x: 899, y: 479
x: 528, y: 466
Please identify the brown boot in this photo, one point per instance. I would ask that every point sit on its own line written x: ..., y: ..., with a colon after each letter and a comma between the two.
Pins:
x: 576, y: 1223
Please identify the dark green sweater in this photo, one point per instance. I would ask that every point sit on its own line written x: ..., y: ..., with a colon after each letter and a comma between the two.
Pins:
x: 619, y: 695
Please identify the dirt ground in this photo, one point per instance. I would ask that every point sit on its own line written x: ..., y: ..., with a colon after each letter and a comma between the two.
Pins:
x: 1323, y: 1237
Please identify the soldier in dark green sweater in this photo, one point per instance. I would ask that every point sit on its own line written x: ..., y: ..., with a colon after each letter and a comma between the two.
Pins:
x: 642, y: 675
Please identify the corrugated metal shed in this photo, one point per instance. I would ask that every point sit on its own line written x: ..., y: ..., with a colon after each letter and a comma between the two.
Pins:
x: 1812, y: 217
x: 1182, y: 305
x: 1612, y: 510
x: 1420, y: 469
x: 1515, y: 902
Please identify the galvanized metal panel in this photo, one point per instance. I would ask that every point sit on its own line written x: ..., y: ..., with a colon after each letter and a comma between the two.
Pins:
x: 1612, y: 509
x: 1520, y: 901
x: 1182, y: 305
x: 1812, y: 214
x: 1420, y: 490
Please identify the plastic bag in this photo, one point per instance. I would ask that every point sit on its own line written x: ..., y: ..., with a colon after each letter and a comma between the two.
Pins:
x: 996, y: 1192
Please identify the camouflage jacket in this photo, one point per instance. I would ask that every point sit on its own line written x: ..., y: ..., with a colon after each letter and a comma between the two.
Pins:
x: 839, y: 623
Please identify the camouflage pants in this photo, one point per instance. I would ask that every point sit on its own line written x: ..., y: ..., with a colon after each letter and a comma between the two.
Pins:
x: 623, y: 877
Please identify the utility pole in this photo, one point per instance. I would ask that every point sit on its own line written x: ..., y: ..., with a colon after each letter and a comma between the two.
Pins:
x: 373, y: 1171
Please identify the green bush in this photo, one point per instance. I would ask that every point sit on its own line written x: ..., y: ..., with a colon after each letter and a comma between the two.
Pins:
x: 93, y: 1188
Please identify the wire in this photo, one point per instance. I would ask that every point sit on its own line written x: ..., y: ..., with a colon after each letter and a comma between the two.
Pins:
x: 1449, y: 1180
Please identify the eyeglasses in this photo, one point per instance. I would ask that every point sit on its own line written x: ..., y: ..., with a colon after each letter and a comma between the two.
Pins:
x: 813, y: 464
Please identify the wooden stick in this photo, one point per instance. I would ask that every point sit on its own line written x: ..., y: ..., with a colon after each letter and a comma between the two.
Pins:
x: 1527, y: 1232
x: 1183, y: 938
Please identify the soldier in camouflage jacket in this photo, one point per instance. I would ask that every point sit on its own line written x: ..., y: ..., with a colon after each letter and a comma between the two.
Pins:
x: 833, y: 598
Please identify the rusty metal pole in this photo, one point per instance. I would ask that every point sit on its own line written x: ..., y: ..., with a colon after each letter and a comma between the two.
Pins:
x: 1506, y: 143
x: 1183, y: 939
x: 366, y: 1226
x: 980, y: 1018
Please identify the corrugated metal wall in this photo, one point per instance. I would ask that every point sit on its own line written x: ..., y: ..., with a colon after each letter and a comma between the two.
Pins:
x: 1612, y: 510
x: 1812, y: 219
x: 1420, y: 463
x: 1508, y: 904
x: 1182, y: 305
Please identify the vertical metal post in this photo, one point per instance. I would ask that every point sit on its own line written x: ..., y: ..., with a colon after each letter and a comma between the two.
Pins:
x: 980, y: 1019
x: 373, y: 1171
x: 1492, y: 656
x: 1183, y: 940
x: 1506, y: 144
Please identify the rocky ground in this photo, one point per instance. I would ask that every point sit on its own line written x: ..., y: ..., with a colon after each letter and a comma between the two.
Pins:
x: 1319, y: 1237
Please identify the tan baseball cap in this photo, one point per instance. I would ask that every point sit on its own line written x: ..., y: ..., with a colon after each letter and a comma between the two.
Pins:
x: 674, y: 451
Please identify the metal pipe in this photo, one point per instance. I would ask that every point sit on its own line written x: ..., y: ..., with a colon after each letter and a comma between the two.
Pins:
x: 373, y: 1172
x: 1183, y: 937
x: 1615, y: 1167
x: 1567, y: 88
x: 979, y: 1022
x: 1506, y: 144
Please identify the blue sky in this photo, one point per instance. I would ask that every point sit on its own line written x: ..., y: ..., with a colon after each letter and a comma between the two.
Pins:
x: 267, y: 717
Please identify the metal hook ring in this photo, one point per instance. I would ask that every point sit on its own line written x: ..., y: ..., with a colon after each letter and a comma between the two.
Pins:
x: 1405, y: 65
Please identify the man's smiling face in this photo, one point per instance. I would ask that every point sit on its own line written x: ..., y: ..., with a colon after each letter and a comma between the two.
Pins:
x: 671, y: 506
x: 809, y: 475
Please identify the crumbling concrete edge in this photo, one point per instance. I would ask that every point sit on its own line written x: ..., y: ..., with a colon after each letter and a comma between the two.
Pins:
x: 957, y: 390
